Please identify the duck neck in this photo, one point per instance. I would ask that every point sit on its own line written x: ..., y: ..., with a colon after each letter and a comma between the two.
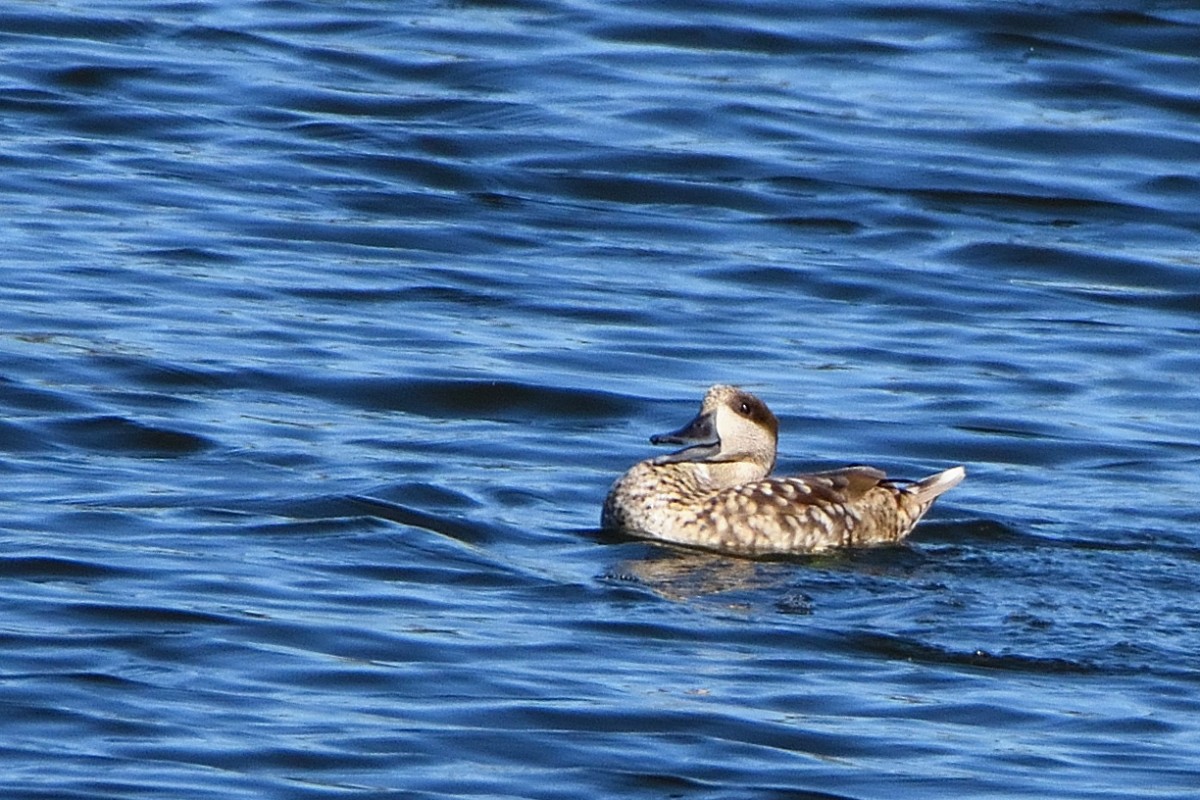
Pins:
x: 726, y: 474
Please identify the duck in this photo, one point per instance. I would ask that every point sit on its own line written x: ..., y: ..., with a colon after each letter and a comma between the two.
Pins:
x: 717, y: 493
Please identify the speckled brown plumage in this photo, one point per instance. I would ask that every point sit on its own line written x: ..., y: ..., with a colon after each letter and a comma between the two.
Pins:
x: 715, y: 493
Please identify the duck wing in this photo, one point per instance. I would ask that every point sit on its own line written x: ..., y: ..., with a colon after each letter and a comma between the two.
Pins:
x: 848, y: 507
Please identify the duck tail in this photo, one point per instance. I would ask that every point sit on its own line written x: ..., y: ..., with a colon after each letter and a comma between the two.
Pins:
x: 929, y: 489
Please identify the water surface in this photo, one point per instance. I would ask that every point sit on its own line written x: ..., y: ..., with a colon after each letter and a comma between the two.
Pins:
x: 325, y: 328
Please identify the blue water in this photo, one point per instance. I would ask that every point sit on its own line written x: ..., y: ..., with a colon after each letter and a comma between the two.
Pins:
x: 324, y: 328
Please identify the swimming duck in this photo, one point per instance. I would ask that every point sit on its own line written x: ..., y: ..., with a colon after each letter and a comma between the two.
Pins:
x: 715, y: 494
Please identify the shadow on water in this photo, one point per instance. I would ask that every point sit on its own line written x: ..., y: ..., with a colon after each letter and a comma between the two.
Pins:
x: 454, y: 399
x: 121, y: 435
x: 902, y: 648
x: 453, y: 527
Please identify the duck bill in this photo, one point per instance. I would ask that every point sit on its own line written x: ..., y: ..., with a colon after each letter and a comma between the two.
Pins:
x: 700, y: 436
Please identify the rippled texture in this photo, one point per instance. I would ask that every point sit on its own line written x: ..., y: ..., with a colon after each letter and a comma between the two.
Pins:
x: 325, y: 326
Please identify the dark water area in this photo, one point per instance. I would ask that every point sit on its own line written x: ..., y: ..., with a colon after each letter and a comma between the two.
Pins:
x: 324, y: 328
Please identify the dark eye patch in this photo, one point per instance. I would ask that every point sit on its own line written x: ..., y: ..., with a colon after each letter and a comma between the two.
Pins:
x: 751, y: 407
x: 754, y: 409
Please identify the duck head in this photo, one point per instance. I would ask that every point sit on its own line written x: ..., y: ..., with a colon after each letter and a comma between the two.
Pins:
x: 734, y: 428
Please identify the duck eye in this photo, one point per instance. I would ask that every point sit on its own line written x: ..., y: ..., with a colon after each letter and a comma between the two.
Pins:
x: 744, y: 408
